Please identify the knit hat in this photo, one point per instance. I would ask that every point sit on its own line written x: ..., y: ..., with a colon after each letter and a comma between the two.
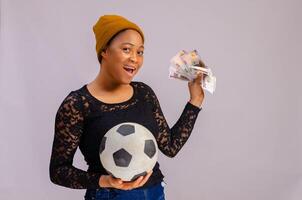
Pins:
x: 109, y: 25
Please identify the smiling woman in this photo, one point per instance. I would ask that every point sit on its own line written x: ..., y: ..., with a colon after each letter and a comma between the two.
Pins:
x: 112, y: 98
x: 127, y: 48
x: 124, y: 56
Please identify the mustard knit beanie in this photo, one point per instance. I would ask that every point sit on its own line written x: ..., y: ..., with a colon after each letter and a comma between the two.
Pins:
x: 109, y: 25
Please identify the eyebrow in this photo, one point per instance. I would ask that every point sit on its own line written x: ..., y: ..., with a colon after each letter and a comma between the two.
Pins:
x: 132, y: 44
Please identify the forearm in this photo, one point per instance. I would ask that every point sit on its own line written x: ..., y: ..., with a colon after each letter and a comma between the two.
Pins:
x: 175, y: 138
x: 71, y: 177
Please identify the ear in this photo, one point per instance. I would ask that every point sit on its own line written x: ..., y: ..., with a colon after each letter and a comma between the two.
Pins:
x: 104, y: 52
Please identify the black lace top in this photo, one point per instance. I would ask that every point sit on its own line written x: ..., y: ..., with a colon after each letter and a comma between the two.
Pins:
x: 82, y: 120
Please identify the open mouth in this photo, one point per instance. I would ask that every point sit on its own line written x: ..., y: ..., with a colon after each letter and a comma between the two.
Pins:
x: 130, y: 70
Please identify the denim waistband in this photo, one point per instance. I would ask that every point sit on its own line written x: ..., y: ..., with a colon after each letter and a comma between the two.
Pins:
x: 154, y: 192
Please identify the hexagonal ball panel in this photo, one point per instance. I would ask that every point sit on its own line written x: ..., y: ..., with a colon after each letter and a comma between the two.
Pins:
x: 102, y: 145
x: 138, y: 175
x: 126, y: 129
x: 122, y: 158
x: 149, y: 148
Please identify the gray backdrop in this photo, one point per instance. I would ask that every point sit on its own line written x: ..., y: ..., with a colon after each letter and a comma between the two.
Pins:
x: 247, y: 142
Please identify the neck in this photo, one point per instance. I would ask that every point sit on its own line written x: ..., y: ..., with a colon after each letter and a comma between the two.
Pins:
x: 105, y: 82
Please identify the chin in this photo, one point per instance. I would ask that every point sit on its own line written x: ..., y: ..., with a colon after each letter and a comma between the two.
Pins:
x: 125, y: 81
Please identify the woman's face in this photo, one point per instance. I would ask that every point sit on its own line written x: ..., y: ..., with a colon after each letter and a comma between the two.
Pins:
x: 124, y: 57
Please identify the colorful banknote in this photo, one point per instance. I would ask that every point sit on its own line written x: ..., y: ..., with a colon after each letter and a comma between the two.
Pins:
x: 186, y: 66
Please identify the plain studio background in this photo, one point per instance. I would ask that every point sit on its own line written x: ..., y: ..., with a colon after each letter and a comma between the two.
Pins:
x: 246, y: 144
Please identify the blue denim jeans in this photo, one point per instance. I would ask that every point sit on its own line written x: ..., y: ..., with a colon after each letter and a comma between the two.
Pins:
x: 155, y: 192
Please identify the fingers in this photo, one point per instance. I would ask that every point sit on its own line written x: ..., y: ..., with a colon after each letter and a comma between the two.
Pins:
x: 136, y: 183
x: 145, y: 179
x: 118, y: 183
x: 198, y: 78
x: 131, y: 185
x: 115, y: 182
x: 201, y: 63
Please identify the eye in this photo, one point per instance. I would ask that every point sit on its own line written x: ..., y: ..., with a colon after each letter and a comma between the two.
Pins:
x: 141, y: 53
x: 126, y: 49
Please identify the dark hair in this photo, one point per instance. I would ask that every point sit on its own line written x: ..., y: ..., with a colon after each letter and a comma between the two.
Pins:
x: 107, y: 45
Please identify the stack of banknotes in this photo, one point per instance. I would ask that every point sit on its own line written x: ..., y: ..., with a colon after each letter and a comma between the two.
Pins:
x: 187, y: 65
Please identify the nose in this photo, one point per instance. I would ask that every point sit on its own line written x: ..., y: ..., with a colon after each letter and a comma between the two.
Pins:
x: 133, y: 57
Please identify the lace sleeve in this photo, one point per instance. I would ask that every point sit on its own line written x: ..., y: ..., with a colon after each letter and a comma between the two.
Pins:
x: 68, y: 131
x: 170, y: 141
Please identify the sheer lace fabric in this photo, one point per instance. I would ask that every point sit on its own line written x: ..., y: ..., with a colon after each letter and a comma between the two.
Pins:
x: 69, y: 129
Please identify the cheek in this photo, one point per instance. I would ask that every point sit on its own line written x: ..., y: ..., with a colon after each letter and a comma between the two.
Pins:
x: 118, y: 63
x: 140, y: 61
x: 117, y: 60
x: 122, y: 57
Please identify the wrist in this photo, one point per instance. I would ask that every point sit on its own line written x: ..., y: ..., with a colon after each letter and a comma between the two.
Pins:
x: 196, y: 101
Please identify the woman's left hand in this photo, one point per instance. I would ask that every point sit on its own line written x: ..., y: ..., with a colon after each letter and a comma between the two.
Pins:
x: 196, y: 91
x: 108, y: 181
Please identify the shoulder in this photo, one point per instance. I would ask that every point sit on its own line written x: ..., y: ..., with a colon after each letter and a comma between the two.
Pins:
x: 72, y: 100
x: 71, y: 110
x: 142, y: 86
x: 146, y: 92
x: 73, y: 96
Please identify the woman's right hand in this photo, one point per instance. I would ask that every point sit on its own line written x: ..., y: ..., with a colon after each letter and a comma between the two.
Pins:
x: 108, y: 181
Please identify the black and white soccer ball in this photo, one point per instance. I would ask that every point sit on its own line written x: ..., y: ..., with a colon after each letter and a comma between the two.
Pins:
x: 128, y: 150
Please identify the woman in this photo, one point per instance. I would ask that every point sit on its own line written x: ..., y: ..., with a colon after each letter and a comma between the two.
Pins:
x: 86, y: 114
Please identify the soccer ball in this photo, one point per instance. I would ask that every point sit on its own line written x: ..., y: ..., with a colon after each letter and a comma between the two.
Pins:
x: 128, y: 150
